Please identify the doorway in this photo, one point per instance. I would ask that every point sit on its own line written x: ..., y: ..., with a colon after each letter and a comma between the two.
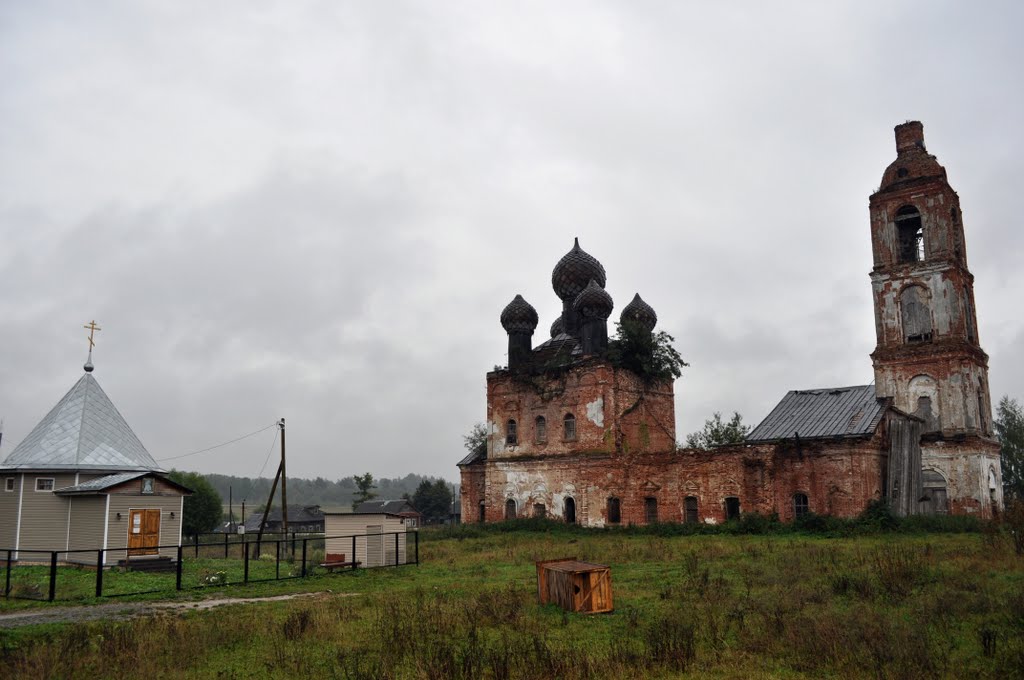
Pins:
x: 143, y: 532
x: 570, y: 510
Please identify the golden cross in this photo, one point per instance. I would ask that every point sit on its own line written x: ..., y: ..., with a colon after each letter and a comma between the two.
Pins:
x: 92, y: 328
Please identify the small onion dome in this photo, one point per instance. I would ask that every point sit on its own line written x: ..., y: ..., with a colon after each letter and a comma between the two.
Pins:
x: 639, y: 312
x: 594, y: 302
x: 519, y: 316
x: 557, y: 328
x: 573, y: 271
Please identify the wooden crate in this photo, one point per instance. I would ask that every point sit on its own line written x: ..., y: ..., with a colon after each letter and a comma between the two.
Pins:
x: 576, y: 586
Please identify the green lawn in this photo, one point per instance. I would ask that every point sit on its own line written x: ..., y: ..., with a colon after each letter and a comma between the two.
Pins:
x: 721, y: 606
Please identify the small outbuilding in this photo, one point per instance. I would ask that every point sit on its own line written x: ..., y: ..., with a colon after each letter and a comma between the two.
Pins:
x: 575, y: 586
x: 375, y: 539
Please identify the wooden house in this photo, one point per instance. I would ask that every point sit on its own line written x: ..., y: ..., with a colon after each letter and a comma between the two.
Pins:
x: 82, y: 481
x: 378, y: 537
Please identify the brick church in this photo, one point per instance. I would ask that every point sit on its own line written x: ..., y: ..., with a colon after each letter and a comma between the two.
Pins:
x: 574, y: 435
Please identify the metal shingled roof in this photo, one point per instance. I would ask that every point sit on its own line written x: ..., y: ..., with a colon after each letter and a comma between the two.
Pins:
x: 830, y: 412
x: 84, y: 431
x: 101, y: 483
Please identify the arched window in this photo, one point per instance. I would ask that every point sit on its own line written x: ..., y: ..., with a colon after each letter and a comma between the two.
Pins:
x: 541, y: 429
x: 511, y: 436
x: 800, y: 505
x: 614, y: 512
x: 510, y: 509
x: 916, y: 315
x: 569, y: 426
x: 570, y: 510
x: 690, y: 507
x: 910, y: 234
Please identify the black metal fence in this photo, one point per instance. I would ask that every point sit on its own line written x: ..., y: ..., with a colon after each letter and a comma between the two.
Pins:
x: 116, y: 572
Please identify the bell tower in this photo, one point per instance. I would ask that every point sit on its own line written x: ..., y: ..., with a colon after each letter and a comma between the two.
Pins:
x: 928, y: 358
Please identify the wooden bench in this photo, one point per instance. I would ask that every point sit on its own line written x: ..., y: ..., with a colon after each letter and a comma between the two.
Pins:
x: 337, y: 561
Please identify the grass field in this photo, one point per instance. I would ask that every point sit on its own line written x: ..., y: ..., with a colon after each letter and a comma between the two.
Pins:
x: 724, y: 606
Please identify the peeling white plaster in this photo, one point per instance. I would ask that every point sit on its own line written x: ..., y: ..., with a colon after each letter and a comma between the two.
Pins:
x: 595, y: 411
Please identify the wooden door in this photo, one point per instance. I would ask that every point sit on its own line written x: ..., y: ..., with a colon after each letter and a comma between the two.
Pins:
x: 143, y: 532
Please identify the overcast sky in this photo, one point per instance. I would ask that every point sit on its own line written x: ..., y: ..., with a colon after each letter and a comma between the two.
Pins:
x: 317, y: 210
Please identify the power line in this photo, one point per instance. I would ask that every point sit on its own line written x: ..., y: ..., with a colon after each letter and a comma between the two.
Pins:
x: 217, y: 446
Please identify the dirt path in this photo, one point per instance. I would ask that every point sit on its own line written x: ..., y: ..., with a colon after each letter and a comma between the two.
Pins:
x: 127, y: 610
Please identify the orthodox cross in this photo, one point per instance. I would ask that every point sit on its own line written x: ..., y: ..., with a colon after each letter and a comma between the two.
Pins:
x: 92, y: 328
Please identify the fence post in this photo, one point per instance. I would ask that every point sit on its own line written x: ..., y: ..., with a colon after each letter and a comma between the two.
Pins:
x: 246, y: 578
x: 396, y: 548
x: 195, y: 537
x: 7, y: 584
x: 277, y: 561
x: 417, y: 534
x: 177, y: 576
x: 53, y: 575
x: 353, y: 552
x: 293, y: 543
x: 99, y: 573
x: 225, y: 545
x: 304, y: 541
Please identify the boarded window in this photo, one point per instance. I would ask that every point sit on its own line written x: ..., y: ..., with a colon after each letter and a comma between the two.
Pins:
x: 690, y: 506
x: 539, y: 511
x: 614, y: 512
x: 800, y: 505
x: 511, y: 435
x: 916, y: 315
x: 732, y: 507
x: 510, y: 509
x: 910, y: 234
x: 570, y: 510
x: 541, y: 428
x: 933, y: 501
x: 651, y: 510
x: 569, y: 426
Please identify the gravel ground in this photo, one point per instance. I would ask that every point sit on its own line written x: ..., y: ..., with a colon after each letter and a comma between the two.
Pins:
x: 125, y: 610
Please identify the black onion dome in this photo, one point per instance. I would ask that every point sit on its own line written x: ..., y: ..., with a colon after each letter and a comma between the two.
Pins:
x: 639, y: 312
x: 594, y: 301
x: 557, y: 328
x: 573, y: 271
x: 519, y: 315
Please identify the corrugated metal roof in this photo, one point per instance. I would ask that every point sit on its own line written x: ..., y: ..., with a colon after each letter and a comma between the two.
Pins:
x: 84, y: 431
x: 471, y: 458
x: 830, y: 412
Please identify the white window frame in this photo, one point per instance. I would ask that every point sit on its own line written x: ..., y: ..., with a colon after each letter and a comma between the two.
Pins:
x: 9, y: 485
x: 51, y: 480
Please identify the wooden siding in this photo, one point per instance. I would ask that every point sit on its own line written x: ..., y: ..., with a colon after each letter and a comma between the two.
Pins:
x: 381, y: 549
x: 86, y: 527
x: 170, y: 528
x: 9, y: 510
x: 44, y: 516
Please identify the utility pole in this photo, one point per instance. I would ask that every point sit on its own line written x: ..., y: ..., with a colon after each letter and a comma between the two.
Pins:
x: 231, y: 509
x: 284, y: 487
x: 273, y: 490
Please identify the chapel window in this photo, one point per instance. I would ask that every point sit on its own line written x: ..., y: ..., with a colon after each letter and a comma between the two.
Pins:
x: 569, y: 425
x: 511, y: 438
x: 910, y: 234
x: 651, y: 510
x: 510, y: 509
x: 539, y: 511
x: 690, y: 506
x: 800, y: 505
x: 483, y: 512
x: 732, y: 507
x: 614, y: 511
x: 541, y: 428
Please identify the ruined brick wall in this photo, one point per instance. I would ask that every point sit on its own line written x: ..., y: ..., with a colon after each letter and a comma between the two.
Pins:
x: 838, y: 477
x: 613, y: 411
x: 972, y: 471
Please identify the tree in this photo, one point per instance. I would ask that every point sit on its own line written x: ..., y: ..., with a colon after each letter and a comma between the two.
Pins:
x: 204, y: 509
x: 363, y: 485
x: 433, y: 500
x: 1009, y: 424
x: 650, y: 355
x: 476, y: 440
x: 716, y: 431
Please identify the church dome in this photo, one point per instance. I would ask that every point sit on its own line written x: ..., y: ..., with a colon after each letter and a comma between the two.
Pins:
x: 574, y: 270
x: 519, y: 316
x: 912, y: 158
x: 639, y: 312
x: 557, y: 328
x: 594, y: 302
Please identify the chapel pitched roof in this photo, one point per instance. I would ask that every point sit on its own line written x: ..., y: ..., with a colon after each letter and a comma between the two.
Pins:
x: 822, y: 413
x: 84, y: 431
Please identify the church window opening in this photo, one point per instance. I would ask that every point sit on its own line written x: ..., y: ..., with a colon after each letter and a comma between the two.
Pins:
x: 732, y: 507
x: 541, y: 428
x: 651, y: 510
x: 511, y: 438
x: 800, y: 505
x: 916, y: 315
x: 510, y: 509
x: 539, y: 511
x: 690, y: 505
x: 910, y: 234
x: 614, y: 513
x: 969, y: 316
x: 569, y: 425
x: 934, y: 501
x: 570, y: 510
x: 483, y: 511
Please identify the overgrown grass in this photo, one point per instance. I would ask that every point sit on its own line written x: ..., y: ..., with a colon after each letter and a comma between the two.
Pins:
x: 877, y: 605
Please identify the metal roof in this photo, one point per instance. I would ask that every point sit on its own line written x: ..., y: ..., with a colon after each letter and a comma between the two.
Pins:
x: 829, y: 412
x: 473, y: 457
x: 101, y: 483
x: 84, y: 431
x: 387, y: 507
